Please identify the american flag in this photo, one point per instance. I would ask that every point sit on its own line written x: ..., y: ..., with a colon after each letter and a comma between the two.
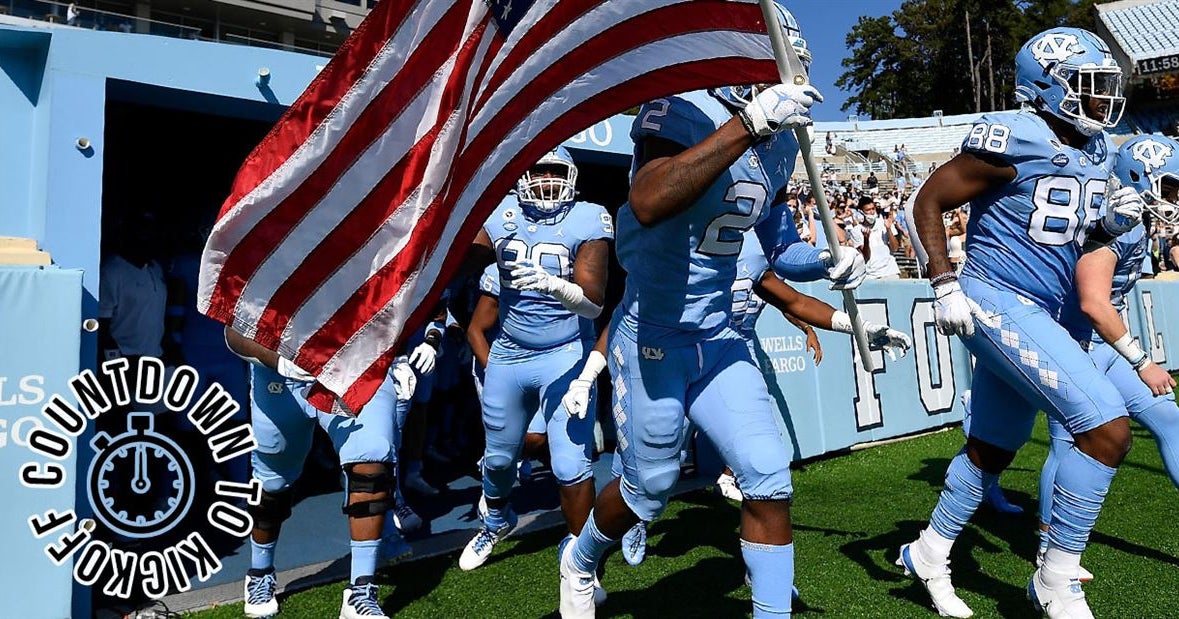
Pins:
x: 345, y: 223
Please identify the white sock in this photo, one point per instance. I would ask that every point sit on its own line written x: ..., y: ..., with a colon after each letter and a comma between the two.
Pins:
x: 934, y: 547
x: 1060, y: 567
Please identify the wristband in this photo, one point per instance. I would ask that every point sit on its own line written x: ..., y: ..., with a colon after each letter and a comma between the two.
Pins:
x: 1131, y: 351
x: 594, y: 364
x: 433, y: 338
x: 841, y: 322
x: 948, y: 276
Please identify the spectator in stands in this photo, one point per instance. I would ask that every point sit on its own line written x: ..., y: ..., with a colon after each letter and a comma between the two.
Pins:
x: 876, y: 237
x: 72, y: 14
x: 904, y: 153
x: 830, y: 143
x: 900, y: 181
x: 956, y: 238
x: 1173, y: 253
x: 871, y: 182
x: 857, y: 184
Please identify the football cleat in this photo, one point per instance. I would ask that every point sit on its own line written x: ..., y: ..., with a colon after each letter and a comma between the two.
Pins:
x: 261, y: 588
x: 577, y: 589
x: 1067, y: 602
x: 405, y: 518
x: 727, y: 484
x: 599, y: 590
x: 1083, y: 574
x: 361, y: 601
x: 634, y: 544
x: 479, y: 549
x: 936, y: 580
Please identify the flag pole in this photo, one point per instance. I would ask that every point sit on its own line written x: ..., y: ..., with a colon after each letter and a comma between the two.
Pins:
x: 792, y: 71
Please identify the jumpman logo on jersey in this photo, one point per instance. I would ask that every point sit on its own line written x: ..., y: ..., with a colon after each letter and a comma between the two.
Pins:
x: 1152, y: 154
x: 1056, y: 47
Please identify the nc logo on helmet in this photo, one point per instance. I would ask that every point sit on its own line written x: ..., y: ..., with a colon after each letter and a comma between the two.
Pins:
x: 1151, y: 154
x: 1056, y: 47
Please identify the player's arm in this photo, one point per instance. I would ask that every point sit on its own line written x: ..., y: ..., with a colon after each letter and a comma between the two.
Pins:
x: 962, y: 179
x: 258, y: 354
x: 483, y: 320
x: 576, y: 398
x: 1095, y: 271
x: 815, y: 312
x: 480, y: 254
x: 670, y: 177
x: 793, y: 259
x: 582, y: 296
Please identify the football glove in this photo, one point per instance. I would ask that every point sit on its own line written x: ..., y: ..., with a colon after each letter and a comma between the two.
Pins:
x: 1123, y: 211
x: 779, y: 107
x: 406, y: 380
x: 846, y: 273
x: 423, y: 358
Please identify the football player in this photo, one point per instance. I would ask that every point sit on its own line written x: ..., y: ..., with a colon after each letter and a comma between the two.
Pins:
x: 283, y: 423
x: 708, y: 166
x: 1036, y: 180
x: 1105, y: 276
x: 552, y: 253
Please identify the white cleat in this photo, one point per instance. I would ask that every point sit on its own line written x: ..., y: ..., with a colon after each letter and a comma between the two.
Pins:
x: 578, y: 589
x: 361, y: 601
x: 599, y: 592
x: 479, y: 549
x: 634, y: 544
x: 936, y: 579
x: 728, y: 487
x: 260, y: 597
x: 1067, y: 602
x: 1083, y: 575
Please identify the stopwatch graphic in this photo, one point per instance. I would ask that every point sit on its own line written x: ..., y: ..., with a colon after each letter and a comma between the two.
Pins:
x: 141, y: 482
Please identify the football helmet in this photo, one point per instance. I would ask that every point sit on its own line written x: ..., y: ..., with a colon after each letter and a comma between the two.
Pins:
x: 1150, y: 164
x: 549, y: 187
x: 737, y: 97
x: 1064, y: 71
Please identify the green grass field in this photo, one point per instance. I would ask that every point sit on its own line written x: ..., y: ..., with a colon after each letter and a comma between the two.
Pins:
x: 851, y: 513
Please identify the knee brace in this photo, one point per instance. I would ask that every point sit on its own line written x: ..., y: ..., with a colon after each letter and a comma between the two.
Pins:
x: 370, y: 483
x: 272, y: 510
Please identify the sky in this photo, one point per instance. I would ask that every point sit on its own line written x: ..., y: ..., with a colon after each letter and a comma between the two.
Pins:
x: 825, y: 24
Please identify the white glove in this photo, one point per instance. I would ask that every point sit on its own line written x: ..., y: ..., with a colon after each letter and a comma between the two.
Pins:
x: 576, y: 398
x: 781, y: 106
x: 527, y: 275
x: 407, y: 381
x: 423, y: 358
x: 848, y: 272
x: 288, y: 369
x: 954, y: 312
x: 890, y: 340
x: 1123, y: 211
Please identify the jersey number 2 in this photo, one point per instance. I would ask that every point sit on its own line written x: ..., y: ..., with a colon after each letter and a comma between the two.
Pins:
x: 746, y: 195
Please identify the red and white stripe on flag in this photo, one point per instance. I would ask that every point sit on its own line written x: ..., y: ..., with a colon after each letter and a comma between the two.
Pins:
x: 345, y: 223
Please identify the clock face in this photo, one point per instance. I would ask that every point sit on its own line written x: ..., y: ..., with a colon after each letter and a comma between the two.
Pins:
x: 141, y: 483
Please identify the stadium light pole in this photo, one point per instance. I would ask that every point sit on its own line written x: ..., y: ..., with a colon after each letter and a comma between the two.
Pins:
x: 792, y: 71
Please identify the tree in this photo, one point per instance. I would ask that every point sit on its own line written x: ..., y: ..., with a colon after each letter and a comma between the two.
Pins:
x: 953, y: 55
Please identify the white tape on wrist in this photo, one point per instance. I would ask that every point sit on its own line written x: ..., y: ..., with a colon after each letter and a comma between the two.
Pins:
x: 573, y: 298
x: 1131, y: 351
x: 841, y: 322
x: 594, y: 364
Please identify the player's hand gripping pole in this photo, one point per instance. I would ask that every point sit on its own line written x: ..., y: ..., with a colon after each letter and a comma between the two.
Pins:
x: 792, y: 71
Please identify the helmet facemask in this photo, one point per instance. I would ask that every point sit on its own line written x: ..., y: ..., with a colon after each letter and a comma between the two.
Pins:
x: 1162, y: 199
x: 1087, y: 87
x: 548, y: 186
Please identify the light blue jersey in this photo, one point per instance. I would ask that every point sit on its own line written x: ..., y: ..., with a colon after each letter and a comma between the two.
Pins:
x: 1130, y: 249
x: 532, y: 321
x: 1026, y: 236
x: 681, y: 271
x: 747, y: 306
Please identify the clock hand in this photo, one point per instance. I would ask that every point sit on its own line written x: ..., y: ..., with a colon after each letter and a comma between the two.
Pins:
x: 140, y: 483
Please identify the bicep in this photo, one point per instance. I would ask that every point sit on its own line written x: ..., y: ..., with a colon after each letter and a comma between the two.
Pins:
x: 961, y: 180
x: 590, y: 269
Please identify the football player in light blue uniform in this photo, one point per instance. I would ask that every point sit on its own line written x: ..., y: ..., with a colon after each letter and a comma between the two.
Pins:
x: 1105, y: 276
x: 552, y: 253
x: 1036, y: 181
x: 283, y: 423
x: 708, y: 166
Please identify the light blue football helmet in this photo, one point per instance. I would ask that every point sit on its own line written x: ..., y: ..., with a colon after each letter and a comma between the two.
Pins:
x: 737, y: 97
x: 1061, y: 69
x: 544, y: 197
x: 1150, y: 164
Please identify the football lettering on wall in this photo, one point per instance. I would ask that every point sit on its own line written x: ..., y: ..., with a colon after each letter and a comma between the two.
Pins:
x: 1158, y: 353
x: 867, y: 400
x: 931, y: 353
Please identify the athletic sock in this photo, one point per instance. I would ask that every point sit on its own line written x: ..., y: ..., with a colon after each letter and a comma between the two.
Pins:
x: 965, y: 486
x: 364, y: 558
x: 262, y: 555
x: 1080, y: 489
x: 771, y: 576
x: 590, y: 547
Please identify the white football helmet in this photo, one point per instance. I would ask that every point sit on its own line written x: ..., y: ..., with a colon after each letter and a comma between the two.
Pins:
x: 549, y: 187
